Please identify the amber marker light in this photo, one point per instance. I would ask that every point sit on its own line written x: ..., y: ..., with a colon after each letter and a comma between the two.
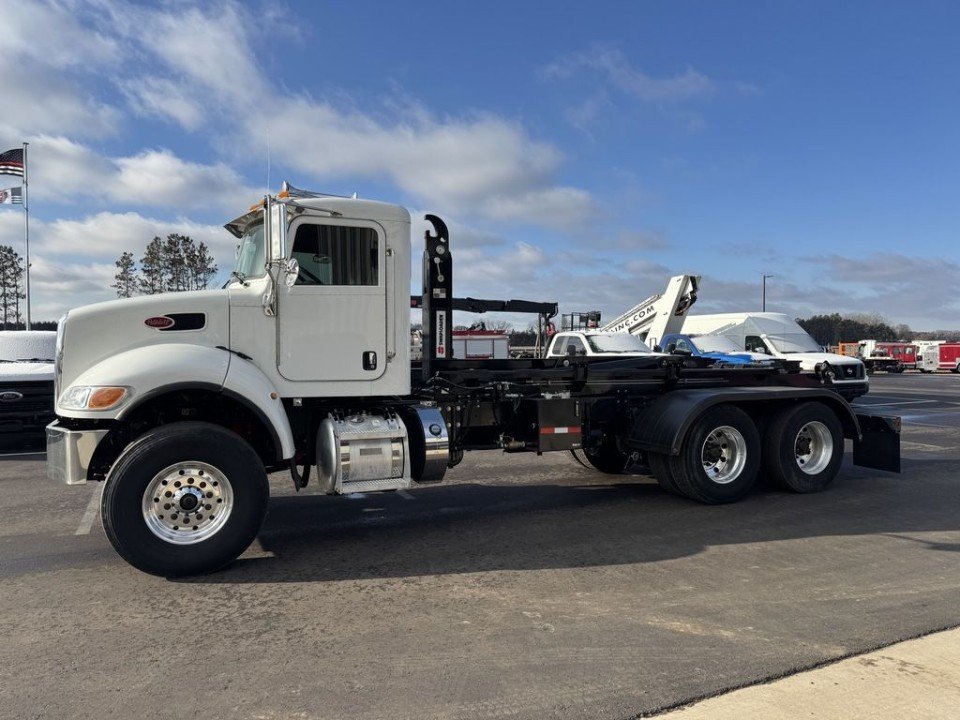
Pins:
x: 106, y: 397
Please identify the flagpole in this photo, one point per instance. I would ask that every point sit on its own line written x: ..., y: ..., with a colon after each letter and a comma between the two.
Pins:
x: 26, y: 230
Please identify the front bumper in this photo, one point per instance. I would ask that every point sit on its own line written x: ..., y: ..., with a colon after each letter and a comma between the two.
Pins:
x: 69, y: 452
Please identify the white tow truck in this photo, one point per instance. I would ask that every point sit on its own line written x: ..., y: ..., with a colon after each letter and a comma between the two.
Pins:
x: 182, y: 403
x: 659, y: 315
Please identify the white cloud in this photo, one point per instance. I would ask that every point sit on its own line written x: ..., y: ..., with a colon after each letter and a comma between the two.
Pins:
x: 614, y: 65
x: 67, y: 171
x: 72, y: 261
x: 203, y: 68
x: 196, y: 66
x: 105, y: 235
x: 555, y: 207
x: 163, y: 98
x: 46, y: 52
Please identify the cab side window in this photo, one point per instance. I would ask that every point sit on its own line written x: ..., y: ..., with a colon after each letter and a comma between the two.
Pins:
x: 578, y: 347
x: 336, y: 255
x: 754, y: 343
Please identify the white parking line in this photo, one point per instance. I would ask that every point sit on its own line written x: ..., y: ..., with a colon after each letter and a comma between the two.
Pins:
x: 86, y: 522
x: 900, y: 402
x: 405, y: 495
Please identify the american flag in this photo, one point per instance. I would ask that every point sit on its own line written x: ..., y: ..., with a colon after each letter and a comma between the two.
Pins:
x: 11, y: 196
x: 11, y: 162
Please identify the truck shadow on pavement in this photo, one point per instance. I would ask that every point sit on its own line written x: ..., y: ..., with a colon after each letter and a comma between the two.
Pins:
x: 474, y: 528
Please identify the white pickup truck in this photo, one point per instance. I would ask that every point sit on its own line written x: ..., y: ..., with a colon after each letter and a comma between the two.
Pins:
x: 597, y: 343
x: 26, y: 388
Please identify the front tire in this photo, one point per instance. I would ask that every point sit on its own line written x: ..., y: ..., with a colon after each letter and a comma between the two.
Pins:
x: 184, y: 499
x: 720, y: 457
x: 803, y: 448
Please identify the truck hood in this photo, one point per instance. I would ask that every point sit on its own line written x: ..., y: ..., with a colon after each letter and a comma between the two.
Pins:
x: 95, y: 332
x: 25, y: 372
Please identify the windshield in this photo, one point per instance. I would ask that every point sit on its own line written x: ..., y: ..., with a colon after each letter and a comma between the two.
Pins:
x: 617, y: 343
x: 716, y: 343
x: 250, y: 253
x: 792, y: 343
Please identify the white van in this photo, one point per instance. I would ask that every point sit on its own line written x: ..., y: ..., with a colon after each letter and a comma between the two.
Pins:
x: 780, y: 336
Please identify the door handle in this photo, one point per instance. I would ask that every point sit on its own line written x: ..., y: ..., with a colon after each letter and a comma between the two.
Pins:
x: 369, y: 360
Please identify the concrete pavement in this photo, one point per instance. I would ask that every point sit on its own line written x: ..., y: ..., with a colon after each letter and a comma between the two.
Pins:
x: 913, y: 680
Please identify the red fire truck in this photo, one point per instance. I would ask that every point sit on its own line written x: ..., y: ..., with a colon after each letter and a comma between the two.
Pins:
x: 940, y: 357
x: 906, y: 353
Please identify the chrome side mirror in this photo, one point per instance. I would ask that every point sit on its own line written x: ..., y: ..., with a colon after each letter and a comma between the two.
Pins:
x: 292, y: 272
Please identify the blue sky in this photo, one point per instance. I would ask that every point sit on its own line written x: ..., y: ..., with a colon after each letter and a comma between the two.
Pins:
x: 582, y: 153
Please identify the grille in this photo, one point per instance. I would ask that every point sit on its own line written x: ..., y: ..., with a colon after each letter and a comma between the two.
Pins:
x: 850, y: 371
x: 37, y: 398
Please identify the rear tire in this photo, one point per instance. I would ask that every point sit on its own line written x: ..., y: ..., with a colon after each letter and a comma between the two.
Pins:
x: 184, y: 498
x: 803, y: 448
x: 720, y: 457
x: 660, y: 468
x: 606, y: 457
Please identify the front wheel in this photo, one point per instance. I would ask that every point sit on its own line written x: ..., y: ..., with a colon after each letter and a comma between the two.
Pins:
x: 803, y: 448
x: 720, y: 457
x: 184, y: 498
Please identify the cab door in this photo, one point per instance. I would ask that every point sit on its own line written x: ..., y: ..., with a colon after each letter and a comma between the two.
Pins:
x: 332, y: 323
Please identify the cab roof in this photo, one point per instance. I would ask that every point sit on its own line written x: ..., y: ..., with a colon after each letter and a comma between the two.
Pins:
x: 335, y: 206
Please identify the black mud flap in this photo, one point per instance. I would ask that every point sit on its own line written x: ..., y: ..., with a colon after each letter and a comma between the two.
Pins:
x: 879, y: 445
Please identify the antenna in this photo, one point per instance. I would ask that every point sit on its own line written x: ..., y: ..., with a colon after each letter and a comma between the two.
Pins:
x: 268, y: 159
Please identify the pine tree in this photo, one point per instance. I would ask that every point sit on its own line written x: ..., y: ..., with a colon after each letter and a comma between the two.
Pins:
x: 125, y: 280
x: 173, y: 264
x: 11, y: 286
x: 153, y: 273
x: 204, y: 268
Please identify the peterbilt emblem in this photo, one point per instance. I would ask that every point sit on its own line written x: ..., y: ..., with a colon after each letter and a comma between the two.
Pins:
x: 10, y: 395
x: 159, y: 322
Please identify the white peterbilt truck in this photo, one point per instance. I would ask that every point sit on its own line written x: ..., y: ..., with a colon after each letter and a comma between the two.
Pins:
x: 182, y: 403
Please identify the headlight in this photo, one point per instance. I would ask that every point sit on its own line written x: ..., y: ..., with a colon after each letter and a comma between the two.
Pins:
x: 93, y: 397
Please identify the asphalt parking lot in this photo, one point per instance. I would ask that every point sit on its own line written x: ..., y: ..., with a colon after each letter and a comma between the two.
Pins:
x: 523, y: 588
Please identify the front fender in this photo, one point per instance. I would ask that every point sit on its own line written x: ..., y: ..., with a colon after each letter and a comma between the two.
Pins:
x: 247, y: 383
x: 148, y: 371
x: 155, y: 370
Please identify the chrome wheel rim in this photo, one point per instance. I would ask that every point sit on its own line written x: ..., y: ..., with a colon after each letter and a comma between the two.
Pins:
x: 724, y: 454
x: 813, y: 447
x: 187, y: 503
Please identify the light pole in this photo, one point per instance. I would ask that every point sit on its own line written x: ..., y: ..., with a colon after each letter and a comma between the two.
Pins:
x: 765, y: 291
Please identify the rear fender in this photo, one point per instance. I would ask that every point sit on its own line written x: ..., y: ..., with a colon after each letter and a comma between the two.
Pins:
x: 662, y: 425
